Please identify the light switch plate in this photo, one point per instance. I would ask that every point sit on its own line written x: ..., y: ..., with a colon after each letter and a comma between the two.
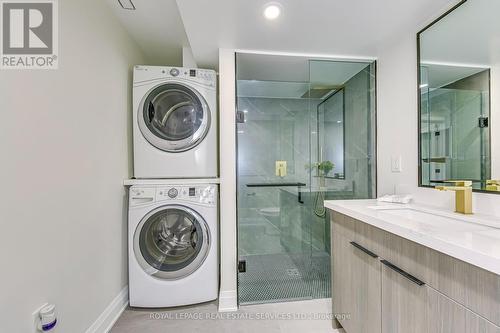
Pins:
x: 396, y: 164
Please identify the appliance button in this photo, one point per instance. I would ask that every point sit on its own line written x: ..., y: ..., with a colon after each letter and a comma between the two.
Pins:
x: 172, y: 193
x: 174, y: 72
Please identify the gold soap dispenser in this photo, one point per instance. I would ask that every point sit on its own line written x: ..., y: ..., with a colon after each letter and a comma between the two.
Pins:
x: 463, y: 195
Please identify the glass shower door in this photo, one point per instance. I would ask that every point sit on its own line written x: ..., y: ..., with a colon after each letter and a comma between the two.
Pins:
x: 305, y: 134
x: 273, y: 181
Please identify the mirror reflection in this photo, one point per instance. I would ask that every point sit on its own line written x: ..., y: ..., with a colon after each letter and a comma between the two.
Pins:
x: 459, y: 71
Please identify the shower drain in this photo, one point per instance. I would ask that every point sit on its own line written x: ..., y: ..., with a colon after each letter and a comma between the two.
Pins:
x: 293, y: 272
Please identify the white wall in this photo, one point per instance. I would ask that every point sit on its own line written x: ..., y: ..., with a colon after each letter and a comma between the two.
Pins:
x: 397, y: 127
x: 65, y: 150
x: 227, y: 121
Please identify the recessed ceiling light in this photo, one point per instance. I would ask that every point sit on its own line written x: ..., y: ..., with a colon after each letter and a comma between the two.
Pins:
x: 272, y: 11
x: 127, y: 4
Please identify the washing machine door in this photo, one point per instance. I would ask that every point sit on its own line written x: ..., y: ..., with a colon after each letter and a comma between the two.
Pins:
x: 171, y: 242
x: 174, y: 117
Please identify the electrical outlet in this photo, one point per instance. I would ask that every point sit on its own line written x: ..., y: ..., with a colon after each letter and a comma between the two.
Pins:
x: 396, y: 166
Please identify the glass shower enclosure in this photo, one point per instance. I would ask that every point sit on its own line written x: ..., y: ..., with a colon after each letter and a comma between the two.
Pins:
x: 305, y: 134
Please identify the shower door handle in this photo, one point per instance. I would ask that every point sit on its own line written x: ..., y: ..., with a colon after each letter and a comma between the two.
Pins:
x: 299, y: 185
x: 299, y: 196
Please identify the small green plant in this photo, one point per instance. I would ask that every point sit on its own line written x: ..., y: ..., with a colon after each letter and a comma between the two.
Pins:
x: 326, y: 167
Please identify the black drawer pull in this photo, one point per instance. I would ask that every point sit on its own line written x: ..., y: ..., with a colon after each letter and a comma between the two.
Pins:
x: 405, y: 274
x: 368, y: 252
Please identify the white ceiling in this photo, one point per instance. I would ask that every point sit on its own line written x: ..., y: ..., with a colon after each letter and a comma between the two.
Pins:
x: 332, y: 27
x: 157, y: 28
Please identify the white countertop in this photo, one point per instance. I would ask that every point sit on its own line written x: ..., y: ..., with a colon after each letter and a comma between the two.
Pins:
x: 464, y: 239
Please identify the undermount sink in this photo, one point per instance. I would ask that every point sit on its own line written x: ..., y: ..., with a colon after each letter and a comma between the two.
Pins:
x: 413, y: 214
x: 425, y: 218
x: 435, y: 218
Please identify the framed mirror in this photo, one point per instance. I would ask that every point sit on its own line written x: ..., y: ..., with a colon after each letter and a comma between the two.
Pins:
x: 459, y: 97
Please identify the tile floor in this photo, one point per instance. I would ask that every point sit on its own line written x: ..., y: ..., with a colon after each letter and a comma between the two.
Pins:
x: 311, y: 316
x: 284, y: 276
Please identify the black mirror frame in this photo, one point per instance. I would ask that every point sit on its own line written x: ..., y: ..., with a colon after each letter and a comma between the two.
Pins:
x: 419, y: 102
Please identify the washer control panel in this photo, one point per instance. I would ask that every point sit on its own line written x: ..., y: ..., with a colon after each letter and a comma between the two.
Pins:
x: 193, y: 193
x: 141, y: 195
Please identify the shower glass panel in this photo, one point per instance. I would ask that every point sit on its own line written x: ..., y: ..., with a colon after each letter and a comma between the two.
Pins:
x: 304, y: 134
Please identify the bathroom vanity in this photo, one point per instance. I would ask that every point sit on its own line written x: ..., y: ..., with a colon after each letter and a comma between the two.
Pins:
x: 405, y: 269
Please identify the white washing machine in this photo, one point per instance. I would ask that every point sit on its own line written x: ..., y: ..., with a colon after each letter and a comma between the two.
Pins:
x: 172, y: 240
x: 174, y: 122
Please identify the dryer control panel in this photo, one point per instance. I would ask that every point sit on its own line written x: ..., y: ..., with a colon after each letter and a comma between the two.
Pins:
x: 203, y: 76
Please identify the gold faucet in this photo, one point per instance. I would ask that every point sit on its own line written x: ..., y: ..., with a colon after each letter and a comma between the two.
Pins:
x: 281, y: 168
x: 463, y: 195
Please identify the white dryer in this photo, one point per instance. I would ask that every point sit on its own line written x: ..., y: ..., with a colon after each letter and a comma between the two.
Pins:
x: 172, y: 239
x: 174, y: 122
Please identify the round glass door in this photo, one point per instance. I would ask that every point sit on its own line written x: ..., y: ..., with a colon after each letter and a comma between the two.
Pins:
x: 171, y: 242
x: 174, y: 117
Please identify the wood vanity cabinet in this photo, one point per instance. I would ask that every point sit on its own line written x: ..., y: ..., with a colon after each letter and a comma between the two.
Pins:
x: 384, y: 283
x: 358, y: 297
x: 403, y: 303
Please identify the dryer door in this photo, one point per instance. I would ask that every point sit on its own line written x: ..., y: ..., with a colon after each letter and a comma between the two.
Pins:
x: 171, y: 242
x: 174, y: 117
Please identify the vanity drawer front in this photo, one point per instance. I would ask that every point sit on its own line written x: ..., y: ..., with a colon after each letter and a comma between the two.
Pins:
x: 446, y: 315
x: 477, y: 324
x: 407, y: 255
x: 475, y: 288
x: 369, y: 237
x: 343, y: 225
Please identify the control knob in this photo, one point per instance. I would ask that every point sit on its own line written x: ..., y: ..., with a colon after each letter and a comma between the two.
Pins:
x: 172, y: 193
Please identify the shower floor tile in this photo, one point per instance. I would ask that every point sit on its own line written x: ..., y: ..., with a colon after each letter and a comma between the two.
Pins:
x: 284, y: 277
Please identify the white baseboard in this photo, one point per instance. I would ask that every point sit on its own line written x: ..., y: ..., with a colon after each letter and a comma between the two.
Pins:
x: 228, y: 301
x: 110, y: 315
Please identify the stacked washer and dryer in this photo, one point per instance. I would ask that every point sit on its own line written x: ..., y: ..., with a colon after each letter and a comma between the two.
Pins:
x: 173, y: 204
